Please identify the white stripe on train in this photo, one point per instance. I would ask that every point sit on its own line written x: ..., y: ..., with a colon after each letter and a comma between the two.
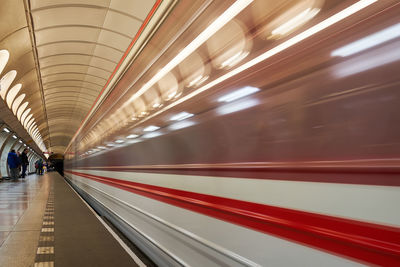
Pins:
x: 369, y: 203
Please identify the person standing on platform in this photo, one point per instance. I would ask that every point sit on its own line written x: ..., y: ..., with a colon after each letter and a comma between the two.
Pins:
x: 24, y: 162
x: 40, y: 166
x: 13, y: 163
x: 37, y: 167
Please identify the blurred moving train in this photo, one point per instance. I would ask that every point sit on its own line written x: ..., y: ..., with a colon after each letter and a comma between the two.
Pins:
x: 254, y: 133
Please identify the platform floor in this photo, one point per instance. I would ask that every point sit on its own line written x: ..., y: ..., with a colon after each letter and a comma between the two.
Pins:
x: 43, y: 222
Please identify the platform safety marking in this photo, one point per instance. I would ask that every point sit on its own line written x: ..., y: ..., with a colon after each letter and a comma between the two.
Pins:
x: 46, y: 238
x: 45, y: 250
x: 44, y: 264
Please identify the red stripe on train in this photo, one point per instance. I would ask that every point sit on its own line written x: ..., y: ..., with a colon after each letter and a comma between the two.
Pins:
x: 367, y: 242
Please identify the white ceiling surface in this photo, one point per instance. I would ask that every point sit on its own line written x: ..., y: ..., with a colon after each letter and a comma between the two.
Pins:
x: 79, y: 44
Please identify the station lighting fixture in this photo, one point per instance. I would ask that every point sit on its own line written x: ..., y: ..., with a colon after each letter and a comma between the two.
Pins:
x: 156, y: 105
x: 151, y: 128
x: 101, y: 147
x: 180, y: 125
x: 367, y: 61
x: 198, y: 80
x: 236, y: 58
x: 6, y: 130
x: 237, y: 106
x: 110, y: 144
x: 242, y: 92
x: 151, y: 135
x: 15, y: 137
x: 370, y: 41
x: 181, y: 116
x: 119, y: 141
x: 20, y: 141
x: 131, y: 136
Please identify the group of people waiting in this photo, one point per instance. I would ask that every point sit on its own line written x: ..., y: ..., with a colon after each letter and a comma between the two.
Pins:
x: 19, y: 163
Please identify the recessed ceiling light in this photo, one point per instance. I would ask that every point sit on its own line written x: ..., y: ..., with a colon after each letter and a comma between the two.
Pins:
x: 369, y: 41
x: 181, y: 116
x: 151, y: 128
x: 242, y: 92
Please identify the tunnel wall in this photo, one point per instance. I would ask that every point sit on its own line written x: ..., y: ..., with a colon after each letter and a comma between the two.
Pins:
x: 7, y: 142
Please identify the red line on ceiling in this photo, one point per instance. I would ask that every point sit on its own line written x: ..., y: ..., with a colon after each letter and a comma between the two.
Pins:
x: 144, y: 24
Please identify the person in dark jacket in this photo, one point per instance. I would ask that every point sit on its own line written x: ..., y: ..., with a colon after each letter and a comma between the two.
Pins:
x: 40, y: 166
x: 24, y: 162
x: 13, y: 163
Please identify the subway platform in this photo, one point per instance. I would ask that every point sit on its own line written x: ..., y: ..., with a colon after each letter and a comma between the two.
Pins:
x: 43, y: 222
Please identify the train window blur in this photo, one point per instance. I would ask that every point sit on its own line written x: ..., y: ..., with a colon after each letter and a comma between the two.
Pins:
x: 292, y: 16
x: 193, y: 70
x: 169, y: 87
x: 153, y: 99
x: 229, y: 45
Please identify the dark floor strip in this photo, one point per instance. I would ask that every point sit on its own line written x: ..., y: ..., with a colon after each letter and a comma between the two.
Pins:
x: 79, y: 238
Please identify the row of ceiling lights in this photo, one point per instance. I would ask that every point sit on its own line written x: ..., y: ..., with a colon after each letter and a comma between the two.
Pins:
x: 5, y: 129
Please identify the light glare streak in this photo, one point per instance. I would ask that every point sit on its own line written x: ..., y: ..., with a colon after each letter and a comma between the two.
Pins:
x: 368, y: 42
x: 227, y: 16
x: 242, y: 92
x: 181, y: 116
x: 151, y: 128
x: 279, y: 48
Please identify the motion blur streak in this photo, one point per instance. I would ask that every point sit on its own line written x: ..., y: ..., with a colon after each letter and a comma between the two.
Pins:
x: 369, y: 41
x: 298, y: 38
x: 228, y: 15
x: 247, y: 144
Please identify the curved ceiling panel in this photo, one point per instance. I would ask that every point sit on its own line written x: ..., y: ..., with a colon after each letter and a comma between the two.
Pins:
x: 4, y: 56
x: 12, y: 93
x: 21, y: 109
x: 56, y: 56
x: 17, y: 102
x: 78, y: 47
x: 25, y: 115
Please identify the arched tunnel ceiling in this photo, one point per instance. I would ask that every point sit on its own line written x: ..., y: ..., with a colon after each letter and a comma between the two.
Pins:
x: 64, y: 52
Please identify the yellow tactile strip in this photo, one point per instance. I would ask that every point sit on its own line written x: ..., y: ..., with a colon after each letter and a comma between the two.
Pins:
x: 45, y: 250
